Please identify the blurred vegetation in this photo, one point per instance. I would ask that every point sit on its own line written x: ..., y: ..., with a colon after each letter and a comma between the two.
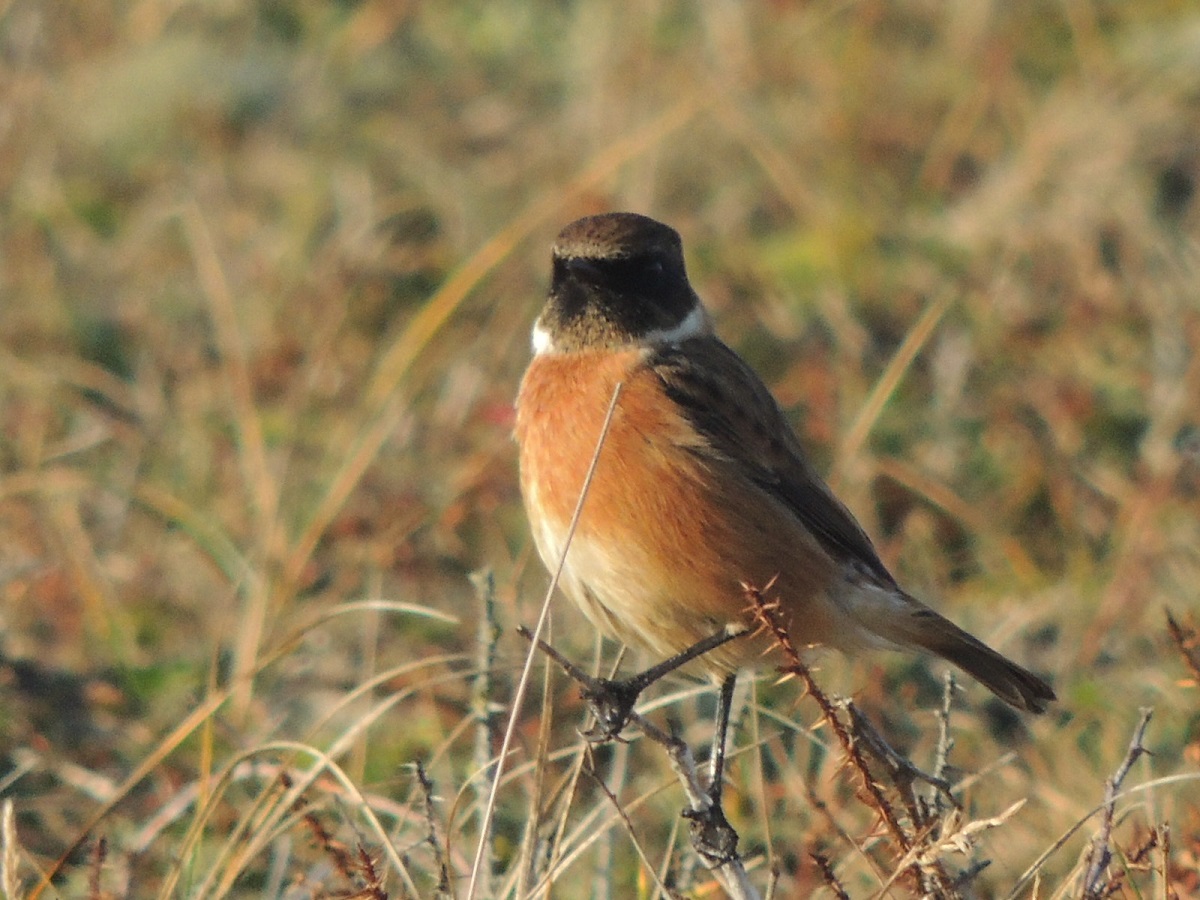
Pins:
x: 266, y: 277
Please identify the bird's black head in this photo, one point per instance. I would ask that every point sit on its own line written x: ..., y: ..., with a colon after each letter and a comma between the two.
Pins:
x: 618, y: 281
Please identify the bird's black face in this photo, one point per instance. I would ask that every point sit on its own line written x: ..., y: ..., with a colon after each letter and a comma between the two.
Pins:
x: 618, y: 279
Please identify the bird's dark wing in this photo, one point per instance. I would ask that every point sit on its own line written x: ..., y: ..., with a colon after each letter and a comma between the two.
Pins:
x: 740, y: 422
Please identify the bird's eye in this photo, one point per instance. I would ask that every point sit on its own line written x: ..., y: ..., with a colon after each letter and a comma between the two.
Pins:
x: 654, y: 268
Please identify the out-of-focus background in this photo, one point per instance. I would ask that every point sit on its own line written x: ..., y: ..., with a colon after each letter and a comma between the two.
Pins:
x: 266, y: 278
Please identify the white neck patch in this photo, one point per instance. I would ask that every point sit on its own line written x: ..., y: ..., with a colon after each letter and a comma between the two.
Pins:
x: 542, y: 342
x: 695, y: 325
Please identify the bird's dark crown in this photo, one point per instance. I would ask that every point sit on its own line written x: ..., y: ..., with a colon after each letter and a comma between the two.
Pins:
x: 618, y: 281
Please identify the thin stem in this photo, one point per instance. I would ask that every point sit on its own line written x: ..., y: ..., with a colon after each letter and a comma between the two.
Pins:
x: 523, y: 684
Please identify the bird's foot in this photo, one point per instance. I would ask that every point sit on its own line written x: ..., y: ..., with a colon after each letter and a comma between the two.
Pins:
x: 713, y: 838
x: 612, y: 700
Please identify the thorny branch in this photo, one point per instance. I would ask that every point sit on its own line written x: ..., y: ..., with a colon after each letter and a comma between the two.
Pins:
x: 930, y: 874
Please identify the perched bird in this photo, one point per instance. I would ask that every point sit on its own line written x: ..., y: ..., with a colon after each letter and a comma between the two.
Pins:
x: 700, y: 487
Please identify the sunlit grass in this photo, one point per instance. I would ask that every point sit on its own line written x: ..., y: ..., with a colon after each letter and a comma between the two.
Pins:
x: 266, y: 277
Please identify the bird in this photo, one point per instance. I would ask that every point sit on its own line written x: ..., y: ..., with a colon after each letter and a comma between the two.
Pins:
x: 700, y: 486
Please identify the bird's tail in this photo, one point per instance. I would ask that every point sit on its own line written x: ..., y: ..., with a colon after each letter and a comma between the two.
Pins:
x: 925, y: 629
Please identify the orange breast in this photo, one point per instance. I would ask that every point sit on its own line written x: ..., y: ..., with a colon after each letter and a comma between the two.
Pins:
x: 667, y: 535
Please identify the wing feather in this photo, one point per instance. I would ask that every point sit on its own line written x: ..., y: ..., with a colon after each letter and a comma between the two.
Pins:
x: 740, y: 422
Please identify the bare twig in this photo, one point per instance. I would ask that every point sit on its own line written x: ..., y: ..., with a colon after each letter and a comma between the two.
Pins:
x: 717, y: 845
x: 439, y: 855
x: 484, y: 708
x: 945, y: 739
x: 935, y: 805
x: 1095, y: 881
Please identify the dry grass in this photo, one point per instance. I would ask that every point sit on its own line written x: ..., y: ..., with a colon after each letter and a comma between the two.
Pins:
x: 266, y: 276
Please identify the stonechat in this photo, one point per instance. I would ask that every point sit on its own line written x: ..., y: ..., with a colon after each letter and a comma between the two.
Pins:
x: 701, y: 486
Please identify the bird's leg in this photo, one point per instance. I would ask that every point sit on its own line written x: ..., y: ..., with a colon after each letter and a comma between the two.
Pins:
x: 712, y: 835
x: 612, y: 699
x: 716, y: 764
